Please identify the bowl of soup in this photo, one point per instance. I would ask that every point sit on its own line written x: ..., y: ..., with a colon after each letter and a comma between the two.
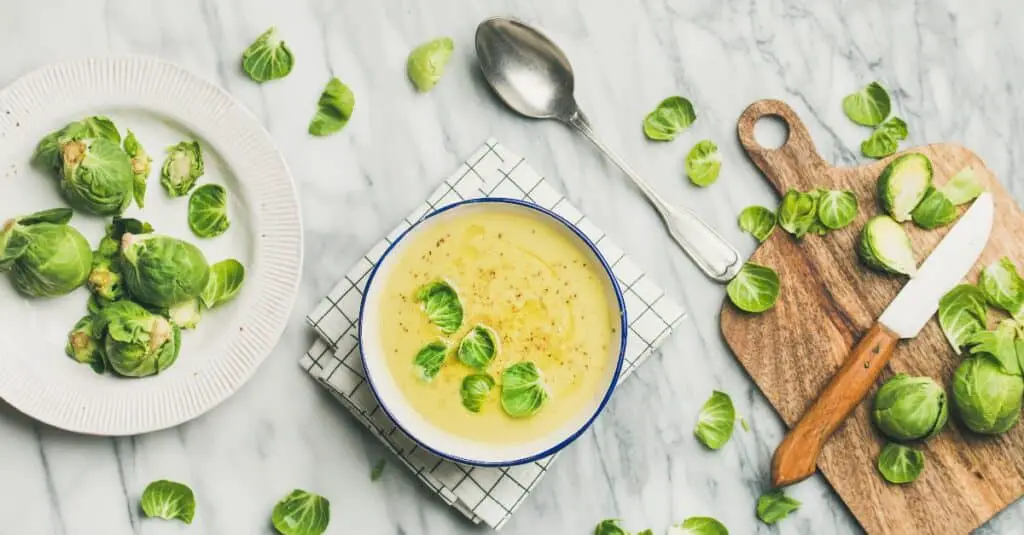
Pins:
x: 492, y: 332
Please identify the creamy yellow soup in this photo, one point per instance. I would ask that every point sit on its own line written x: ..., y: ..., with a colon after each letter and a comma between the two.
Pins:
x: 523, y: 277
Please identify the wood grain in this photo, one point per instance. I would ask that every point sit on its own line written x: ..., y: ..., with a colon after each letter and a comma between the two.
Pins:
x: 829, y: 301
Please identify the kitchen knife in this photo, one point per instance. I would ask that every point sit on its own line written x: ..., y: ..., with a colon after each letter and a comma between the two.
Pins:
x: 796, y: 457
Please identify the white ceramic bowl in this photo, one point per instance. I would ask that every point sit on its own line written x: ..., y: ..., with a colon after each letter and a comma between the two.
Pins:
x: 405, y: 416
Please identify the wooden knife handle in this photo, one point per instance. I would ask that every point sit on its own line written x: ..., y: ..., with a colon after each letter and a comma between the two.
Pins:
x: 797, y: 456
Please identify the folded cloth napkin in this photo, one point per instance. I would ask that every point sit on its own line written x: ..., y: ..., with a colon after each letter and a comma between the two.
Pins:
x: 488, y: 495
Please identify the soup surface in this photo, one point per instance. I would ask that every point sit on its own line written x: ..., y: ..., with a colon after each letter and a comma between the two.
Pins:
x: 523, y: 277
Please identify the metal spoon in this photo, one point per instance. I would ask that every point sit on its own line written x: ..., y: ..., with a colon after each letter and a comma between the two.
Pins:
x: 533, y: 77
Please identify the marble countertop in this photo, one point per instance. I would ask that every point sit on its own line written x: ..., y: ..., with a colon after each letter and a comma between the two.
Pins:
x: 957, y: 75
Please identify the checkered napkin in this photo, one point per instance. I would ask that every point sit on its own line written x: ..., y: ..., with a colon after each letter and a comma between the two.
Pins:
x: 488, y: 495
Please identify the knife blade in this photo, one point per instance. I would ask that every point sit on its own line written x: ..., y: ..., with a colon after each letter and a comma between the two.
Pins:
x: 797, y: 455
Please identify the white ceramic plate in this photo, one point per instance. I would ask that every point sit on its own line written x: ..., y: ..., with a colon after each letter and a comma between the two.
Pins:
x: 163, y: 104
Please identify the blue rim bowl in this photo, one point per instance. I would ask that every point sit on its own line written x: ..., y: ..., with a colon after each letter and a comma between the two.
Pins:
x: 442, y: 443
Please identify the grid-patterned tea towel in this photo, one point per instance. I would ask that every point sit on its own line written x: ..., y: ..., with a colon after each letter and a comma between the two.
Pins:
x: 488, y: 495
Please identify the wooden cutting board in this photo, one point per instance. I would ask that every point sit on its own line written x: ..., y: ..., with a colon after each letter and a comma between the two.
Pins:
x: 828, y: 300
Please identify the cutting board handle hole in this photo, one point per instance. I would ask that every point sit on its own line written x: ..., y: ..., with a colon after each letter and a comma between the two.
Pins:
x: 771, y: 132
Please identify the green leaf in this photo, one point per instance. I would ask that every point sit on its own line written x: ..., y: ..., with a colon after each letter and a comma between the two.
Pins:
x: 478, y: 348
x: 226, y: 278
x: 302, y: 513
x: 758, y: 221
x: 774, y: 506
x: 837, y: 208
x: 426, y: 62
x: 798, y: 212
x: 56, y: 216
x: 523, y: 392
x: 885, y: 246
x: 141, y: 165
x: 869, y: 106
x: 885, y: 140
x: 333, y: 110
x: 934, y: 210
x: 699, y: 525
x: 1003, y: 287
x: 672, y: 116
x: 900, y: 464
x: 122, y: 225
x: 903, y: 184
x: 429, y: 359
x: 208, y: 211
x: 267, y: 58
x: 475, y: 389
x: 963, y: 187
x: 962, y: 313
x: 182, y: 168
x: 1000, y: 344
x: 378, y: 469
x: 754, y: 289
x: 716, y: 421
x: 442, y: 306
x: 646, y: 532
x: 169, y: 500
x: 703, y: 163
x: 610, y: 527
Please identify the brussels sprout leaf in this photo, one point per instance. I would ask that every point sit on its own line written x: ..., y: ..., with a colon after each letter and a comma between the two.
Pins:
x: 523, y: 392
x: 610, y: 527
x: 672, y: 116
x: 703, y: 163
x: 1000, y: 343
x: 869, y: 106
x: 475, y: 389
x: 885, y: 139
x: 774, y: 506
x: 934, y: 210
x: 754, y: 289
x: 333, y: 109
x: 1003, y: 287
x: 797, y: 212
x: 56, y: 216
x: 169, y: 500
x: 900, y: 464
x: 963, y: 187
x: 85, y: 345
x: 426, y: 63
x: 758, y: 221
x: 441, y: 303
x: 962, y: 313
x: 208, y: 211
x: 429, y: 359
x: 226, y: 278
x: 478, y: 348
x: 716, y: 421
x: 182, y: 168
x: 837, y: 208
x: 378, y: 469
x: 699, y: 525
x: 141, y: 164
x: 267, y: 58
x: 302, y: 513
x: 121, y: 225
x: 185, y: 314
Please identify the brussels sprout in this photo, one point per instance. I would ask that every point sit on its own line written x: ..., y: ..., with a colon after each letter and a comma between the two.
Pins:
x: 441, y: 303
x: 758, y: 221
x: 226, y: 278
x: 478, y: 347
x: 610, y: 527
x: 1003, y: 287
x: 105, y: 278
x: 46, y: 256
x: 302, y: 513
x: 900, y: 464
x: 429, y: 359
x: 935, y: 210
x: 185, y: 314
x: 141, y: 164
x: 837, y: 208
x: 774, y: 505
x: 267, y: 58
x: 426, y: 63
x: 885, y: 140
x: 48, y: 151
x: 754, y: 289
x: 910, y: 408
x: 96, y: 175
x: 798, y: 211
x: 703, y: 163
x: 885, y: 246
x: 522, y: 390
x: 869, y: 106
x: 208, y: 211
x: 699, y: 525
x: 84, y: 344
x: 716, y: 421
x: 169, y: 500
x: 137, y: 342
x: 903, y: 184
x: 963, y: 187
x: 162, y: 271
x: 182, y: 167
x: 962, y: 313
x: 986, y: 396
x: 333, y: 110
x: 672, y: 116
x: 475, y: 389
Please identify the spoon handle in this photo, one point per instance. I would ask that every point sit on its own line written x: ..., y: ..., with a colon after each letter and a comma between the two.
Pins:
x: 712, y: 254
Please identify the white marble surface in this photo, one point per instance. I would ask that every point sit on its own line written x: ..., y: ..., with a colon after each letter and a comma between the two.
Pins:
x: 958, y: 76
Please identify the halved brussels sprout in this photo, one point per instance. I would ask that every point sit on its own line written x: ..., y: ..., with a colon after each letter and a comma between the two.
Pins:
x: 910, y: 408
x: 162, y: 271
x: 185, y: 314
x: 903, y: 184
x: 46, y: 256
x: 137, y: 342
x: 986, y: 396
x: 183, y: 166
x: 85, y: 344
x: 885, y: 246
x: 426, y: 62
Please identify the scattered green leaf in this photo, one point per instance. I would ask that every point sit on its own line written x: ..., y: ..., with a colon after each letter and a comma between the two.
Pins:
x: 798, y: 212
x: 699, y: 525
x: 478, y: 348
x: 900, y: 464
x: 837, y: 208
x: 267, y: 58
x: 426, y: 63
x: 333, y: 110
x: 429, y: 360
x: 963, y: 187
x: 474, y: 390
x: 703, y: 163
x: 962, y: 313
x: 716, y: 421
x: 302, y: 513
x: 169, y: 500
x: 523, y: 392
x: 226, y: 278
x: 869, y: 106
x: 208, y: 211
x: 885, y: 140
x: 935, y: 210
x: 758, y: 221
x: 672, y: 116
x: 441, y: 303
x: 610, y: 527
x: 754, y: 289
x: 1003, y: 287
x: 774, y: 505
